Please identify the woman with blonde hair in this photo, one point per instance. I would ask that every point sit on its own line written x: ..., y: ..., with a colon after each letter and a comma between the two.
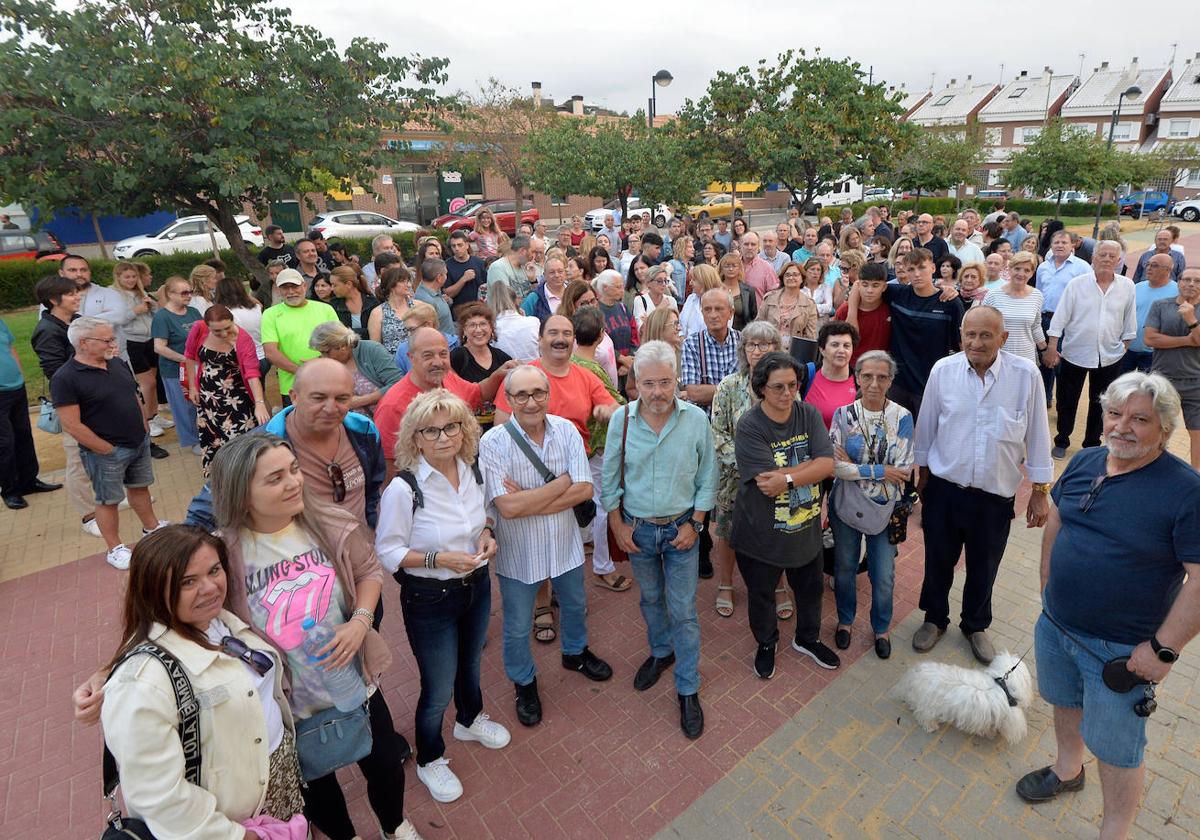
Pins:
x: 436, y: 539
x: 1021, y: 305
x: 788, y: 308
x: 814, y: 286
x: 486, y: 235
x: 895, y: 259
x: 204, y: 283
x: 704, y: 277
x: 745, y: 301
x: 850, y: 240
x: 971, y: 283
x: 134, y: 334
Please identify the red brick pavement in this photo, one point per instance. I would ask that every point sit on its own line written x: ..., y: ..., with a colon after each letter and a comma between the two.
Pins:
x: 605, y: 759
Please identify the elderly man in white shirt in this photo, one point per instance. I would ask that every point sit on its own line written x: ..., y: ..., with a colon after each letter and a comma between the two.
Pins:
x: 1096, y: 318
x: 960, y: 245
x: 771, y: 252
x: 983, y: 416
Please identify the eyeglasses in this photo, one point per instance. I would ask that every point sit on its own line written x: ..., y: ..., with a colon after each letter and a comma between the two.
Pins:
x: 522, y: 397
x: 256, y: 659
x: 1089, y: 498
x: 111, y: 341
x: 781, y: 387
x: 334, y: 471
x: 184, y: 293
x: 759, y: 346
x: 432, y: 433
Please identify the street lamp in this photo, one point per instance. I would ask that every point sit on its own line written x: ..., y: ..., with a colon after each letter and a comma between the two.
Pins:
x: 1133, y: 91
x: 660, y: 79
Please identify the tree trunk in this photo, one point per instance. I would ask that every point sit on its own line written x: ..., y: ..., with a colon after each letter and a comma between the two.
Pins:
x: 212, y: 238
x: 1058, y: 205
x: 99, y: 236
x: 917, y: 202
x: 223, y: 218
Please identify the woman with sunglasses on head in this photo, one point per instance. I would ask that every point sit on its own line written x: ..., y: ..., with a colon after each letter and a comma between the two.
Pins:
x: 177, y: 599
x: 436, y: 538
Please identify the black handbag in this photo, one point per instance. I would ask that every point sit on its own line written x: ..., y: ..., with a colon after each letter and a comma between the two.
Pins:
x: 585, y: 511
x: 118, y: 826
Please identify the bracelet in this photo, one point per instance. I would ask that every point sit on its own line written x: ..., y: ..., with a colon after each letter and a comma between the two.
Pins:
x: 363, y: 612
x: 431, y: 559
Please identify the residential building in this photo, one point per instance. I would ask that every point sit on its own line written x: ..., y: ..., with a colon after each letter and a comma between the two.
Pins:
x: 1016, y: 115
x: 1179, y: 123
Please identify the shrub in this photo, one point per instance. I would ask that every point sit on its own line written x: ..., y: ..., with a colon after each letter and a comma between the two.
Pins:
x: 18, y: 277
x: 1024, y: 206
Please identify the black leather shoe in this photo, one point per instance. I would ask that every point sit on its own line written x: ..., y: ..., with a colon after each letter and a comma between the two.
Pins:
x: 883, y: 648
x: 1043, y: 785
x: 841, y: 638
x: 691, y: 716
x: 651, y: 670
x: 588, y: 664
x: 157, y: 452
x: 529, y: 705
x: 12, y: 501
x: 40, y: 486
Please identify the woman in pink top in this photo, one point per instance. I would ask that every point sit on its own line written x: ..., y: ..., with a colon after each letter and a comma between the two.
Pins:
x: 833, y: 385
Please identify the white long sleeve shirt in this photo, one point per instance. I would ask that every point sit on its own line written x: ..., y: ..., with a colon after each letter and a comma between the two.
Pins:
x: 978, y: 432
x: 1095, y: 325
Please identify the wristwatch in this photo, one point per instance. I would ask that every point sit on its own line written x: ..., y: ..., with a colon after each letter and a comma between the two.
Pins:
x: 1164, y: 654
x: 697, y: 525
x: 1039, y: 487
x: 1193, y: 326
x: 790, y: 481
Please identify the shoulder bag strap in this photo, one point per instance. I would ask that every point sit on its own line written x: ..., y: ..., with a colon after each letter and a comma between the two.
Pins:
x: 524, y: 446
x: 409, y: 478
x: 189, y: 717
x: 703, y: 363
x: 624, y: 435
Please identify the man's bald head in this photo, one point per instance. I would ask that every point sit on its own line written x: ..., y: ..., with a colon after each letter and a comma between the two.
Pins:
x: 321, y: 393
x: 990, y: 315
x: 429, y: 353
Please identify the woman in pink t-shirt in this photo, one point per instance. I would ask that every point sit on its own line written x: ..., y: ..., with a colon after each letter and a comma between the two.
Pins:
x: 833, y: 386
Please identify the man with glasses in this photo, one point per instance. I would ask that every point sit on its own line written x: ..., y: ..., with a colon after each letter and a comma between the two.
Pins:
x: 545, y: 299
x: 660, y: 482
x: 935, y: 245
x: 1172, y: 331
x: 536, y: 530
x: 99, y: 405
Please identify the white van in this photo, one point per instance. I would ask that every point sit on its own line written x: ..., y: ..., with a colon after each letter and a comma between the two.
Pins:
x: 845, y: 191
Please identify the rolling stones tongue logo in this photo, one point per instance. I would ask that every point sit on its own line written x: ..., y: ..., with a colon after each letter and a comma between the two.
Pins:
x: 302, y: 590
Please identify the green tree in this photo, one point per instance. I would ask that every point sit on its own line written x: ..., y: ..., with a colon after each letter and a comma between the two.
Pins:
x: 800, y: 121
x: 132, y: 106
x: 938, y: 159
x: 1176, y: 159
x: 1060, y: 158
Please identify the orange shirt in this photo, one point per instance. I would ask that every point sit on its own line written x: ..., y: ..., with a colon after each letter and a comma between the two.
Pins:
x: 572, y: 397
x: 390, y: 409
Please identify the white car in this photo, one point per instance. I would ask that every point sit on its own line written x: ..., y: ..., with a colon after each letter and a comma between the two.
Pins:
x: 359, y: 224
x: 594, y: 219
x: 880, y: 194
x: 1188, y: 210
x: 187, y: 235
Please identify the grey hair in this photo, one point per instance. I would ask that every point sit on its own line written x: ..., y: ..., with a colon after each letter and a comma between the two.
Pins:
x: 332, y: 335
x: 82, y: 327
x: 519, y: 243
x: 1155, y: 386
x: 379, y: 240
x: 757, y: 331
x: 654, y: 353
x: 526, y: 368
x: 563, y: 229
x: 875, y: 356
x: 1109, y: 243
x: 602, y: 279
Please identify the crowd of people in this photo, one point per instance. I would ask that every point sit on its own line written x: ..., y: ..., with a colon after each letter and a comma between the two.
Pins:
x: 673, y: 406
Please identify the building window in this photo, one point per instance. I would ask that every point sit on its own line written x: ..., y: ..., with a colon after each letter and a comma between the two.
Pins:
x: 1123, y: 131
x: 1179, y: 128
x: 1193, y: 178
x: 1027, y: 133
x: 945, y: 100
x: 1016, y: 94
x: 559, y: 200
x: 472, y: 184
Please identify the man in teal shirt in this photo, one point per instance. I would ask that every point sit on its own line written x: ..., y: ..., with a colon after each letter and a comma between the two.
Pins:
x: 660, y: 482
x: 18, y: 455
x: 1158, y: 285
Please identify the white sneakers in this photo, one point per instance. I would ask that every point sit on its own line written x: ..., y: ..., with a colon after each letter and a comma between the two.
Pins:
x: 484, y: 730
x: 162, y: 523
x: 155, y: 429
x: 91, y: 526
x: 406, y: 831
x: 443, y: 785
x: 119, y: 557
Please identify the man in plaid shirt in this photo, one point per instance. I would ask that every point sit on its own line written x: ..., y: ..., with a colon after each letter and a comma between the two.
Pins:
x: 710, y: 354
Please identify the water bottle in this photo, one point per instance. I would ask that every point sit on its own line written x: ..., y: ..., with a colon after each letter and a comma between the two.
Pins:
x: 344, y: 684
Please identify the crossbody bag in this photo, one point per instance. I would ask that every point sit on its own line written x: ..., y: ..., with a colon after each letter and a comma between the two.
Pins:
x: 584, y: 511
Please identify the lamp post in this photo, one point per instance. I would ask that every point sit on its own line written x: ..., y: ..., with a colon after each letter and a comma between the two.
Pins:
x: 660, y: 79
x: 1132, y: 92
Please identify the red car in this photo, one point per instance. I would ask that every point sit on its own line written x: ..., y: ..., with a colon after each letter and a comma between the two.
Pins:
x: 504, y: 210
x: 23, y: 245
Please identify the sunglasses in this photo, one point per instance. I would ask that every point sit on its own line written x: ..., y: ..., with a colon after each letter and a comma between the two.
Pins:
x: 1089, y: 499
x: 260, y: 662
x: 334, y: 471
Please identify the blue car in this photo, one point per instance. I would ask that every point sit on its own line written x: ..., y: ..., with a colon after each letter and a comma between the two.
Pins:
x: 1143, y: 201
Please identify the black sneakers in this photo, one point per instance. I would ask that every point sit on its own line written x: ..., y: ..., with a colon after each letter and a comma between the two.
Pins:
x: 764, y: 662
x: 819, y: 654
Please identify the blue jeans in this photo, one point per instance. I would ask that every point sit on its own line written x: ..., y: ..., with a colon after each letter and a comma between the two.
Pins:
x: 182, y: 412
x: 881, y: 568
x: 447, y: 625
x: 667, y: 579
x: 1136, y: 360
x: 518, y: 620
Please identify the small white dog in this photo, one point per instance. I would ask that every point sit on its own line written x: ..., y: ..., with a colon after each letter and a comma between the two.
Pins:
x: 986, y: 702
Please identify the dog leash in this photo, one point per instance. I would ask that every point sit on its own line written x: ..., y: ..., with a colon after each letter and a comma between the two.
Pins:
x: 1144, y: 707
x: 1002, y: 680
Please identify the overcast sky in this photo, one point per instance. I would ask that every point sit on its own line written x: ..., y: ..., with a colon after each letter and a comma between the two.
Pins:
x: 603, y: 51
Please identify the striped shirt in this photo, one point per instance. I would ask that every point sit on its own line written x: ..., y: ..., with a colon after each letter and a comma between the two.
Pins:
x: 534, y: 548
x: 719, y: 361
x: 1022, y: 320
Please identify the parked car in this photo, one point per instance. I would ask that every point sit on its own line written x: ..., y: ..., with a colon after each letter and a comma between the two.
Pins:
x: 594, y: 219
x: 1143, y: 201
x: 877, y: 194
x: 23, y: 245
x: 1069, y: 196
x: 992, y: 194
x: 1188, y: 210
x: 715, y: 206
x: 359, y: 223
x: 505, y: 212
x: 186, y: 235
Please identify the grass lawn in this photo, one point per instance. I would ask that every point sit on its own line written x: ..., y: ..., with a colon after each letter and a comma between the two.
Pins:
x: 22, y: 322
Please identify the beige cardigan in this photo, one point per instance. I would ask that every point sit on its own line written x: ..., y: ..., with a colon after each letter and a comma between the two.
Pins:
x: 141, y: 729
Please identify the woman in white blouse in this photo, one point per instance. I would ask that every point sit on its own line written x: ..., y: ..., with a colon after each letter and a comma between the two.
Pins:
x: 435, y: 537
x: 516, y: 332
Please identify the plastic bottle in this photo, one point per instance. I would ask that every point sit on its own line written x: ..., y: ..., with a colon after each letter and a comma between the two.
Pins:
x: 344, y: 685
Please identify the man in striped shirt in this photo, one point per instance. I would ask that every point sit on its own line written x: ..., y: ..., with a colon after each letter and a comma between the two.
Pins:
x: 537, y: 531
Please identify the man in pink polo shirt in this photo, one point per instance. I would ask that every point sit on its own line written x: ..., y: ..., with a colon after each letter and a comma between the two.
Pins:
x: 759, y: 274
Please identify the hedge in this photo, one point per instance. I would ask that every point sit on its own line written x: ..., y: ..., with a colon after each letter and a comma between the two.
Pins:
x: 18, y: 277
x: 1026, y: 207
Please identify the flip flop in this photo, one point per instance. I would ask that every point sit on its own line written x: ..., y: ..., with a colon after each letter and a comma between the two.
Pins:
x: 618, y: 584
x: 785, y: 609
x: 543, y: 625
x: 724, y: 605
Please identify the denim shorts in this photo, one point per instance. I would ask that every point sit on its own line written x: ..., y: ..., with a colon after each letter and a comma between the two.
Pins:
x: 1070, y: 677
x: 124, y: 467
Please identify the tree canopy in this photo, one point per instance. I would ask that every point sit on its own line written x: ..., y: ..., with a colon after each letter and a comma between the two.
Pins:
x: 938, y: 159
x: 132, y: 106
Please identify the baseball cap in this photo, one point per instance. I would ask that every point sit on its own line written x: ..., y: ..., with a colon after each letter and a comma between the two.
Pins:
x: 289, y: 277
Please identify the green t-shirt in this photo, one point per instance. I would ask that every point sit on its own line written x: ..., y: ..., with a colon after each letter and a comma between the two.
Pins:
x: 290, y: 327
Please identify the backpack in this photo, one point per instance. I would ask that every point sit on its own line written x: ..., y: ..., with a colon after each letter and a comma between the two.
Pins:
x: 410, y: 479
